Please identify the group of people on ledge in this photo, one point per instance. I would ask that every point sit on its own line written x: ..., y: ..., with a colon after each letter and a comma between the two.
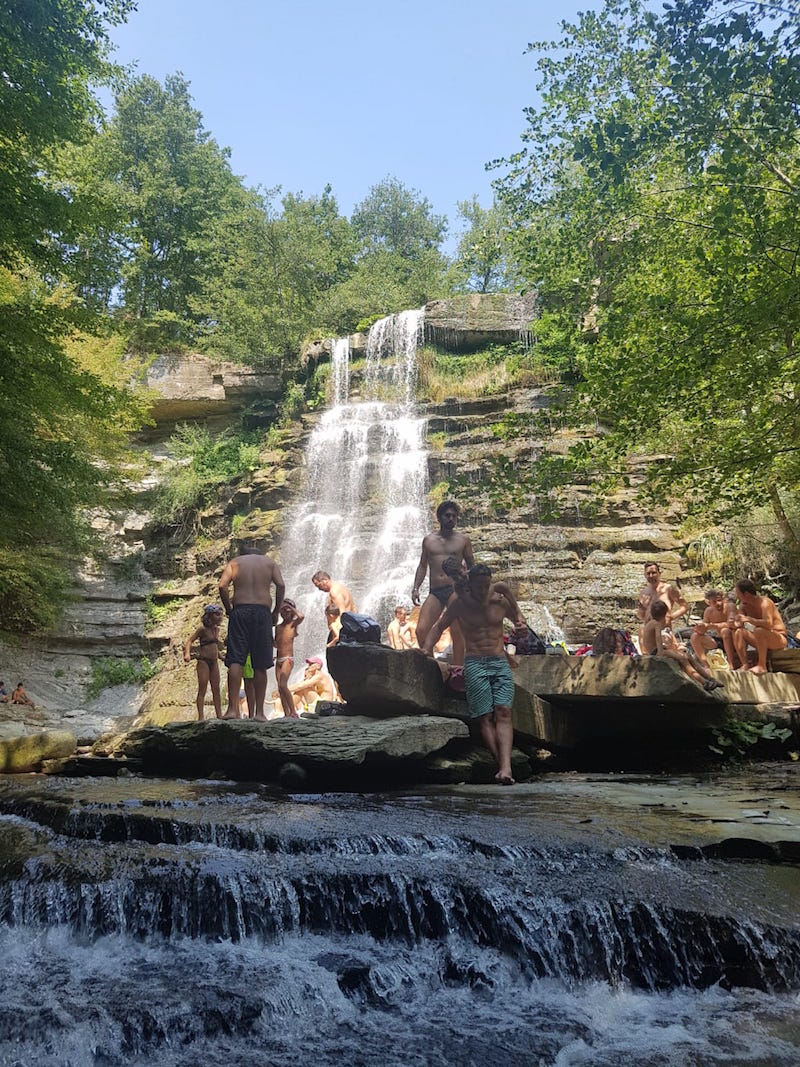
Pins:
x: 16, y: 696
x: 464, y: 603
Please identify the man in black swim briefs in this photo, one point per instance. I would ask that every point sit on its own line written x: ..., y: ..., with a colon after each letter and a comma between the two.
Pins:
x: 436, y: 548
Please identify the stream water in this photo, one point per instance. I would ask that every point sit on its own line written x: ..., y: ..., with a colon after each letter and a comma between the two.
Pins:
x: 145, y: 921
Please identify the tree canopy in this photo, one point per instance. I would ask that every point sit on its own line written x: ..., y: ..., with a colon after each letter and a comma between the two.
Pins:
x: 656, y: 207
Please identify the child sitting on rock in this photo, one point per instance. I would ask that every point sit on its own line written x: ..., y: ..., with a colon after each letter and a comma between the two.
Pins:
x: 658, y: 640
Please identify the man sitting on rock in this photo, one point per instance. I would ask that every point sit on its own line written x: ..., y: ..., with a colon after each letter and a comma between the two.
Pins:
x: 19, y: 696
x: 316, y: 685
x: 715, y: 631
x: 480, y: 611
x: 758, y: 624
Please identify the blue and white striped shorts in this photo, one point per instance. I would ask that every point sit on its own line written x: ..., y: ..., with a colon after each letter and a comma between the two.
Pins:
x: 489, y: 684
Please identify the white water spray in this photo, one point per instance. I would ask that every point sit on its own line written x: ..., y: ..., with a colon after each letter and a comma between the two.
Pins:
x: 364, y: 511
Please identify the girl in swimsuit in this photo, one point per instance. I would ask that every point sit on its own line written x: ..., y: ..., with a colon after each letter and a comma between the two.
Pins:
x: 208, y: 657
x: 285, y: 633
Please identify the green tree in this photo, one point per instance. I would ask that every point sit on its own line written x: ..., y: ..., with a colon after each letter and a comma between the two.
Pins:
x: 657, y: 208
x: 481, y: 263
x: 398, y: 219
x: 50, y: 52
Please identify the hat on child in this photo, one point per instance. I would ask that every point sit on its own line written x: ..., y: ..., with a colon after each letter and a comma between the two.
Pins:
x: 314, y: 659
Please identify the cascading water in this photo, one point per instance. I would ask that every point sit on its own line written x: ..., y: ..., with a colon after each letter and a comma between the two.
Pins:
x: 146, y: 922
x: 364, y: 508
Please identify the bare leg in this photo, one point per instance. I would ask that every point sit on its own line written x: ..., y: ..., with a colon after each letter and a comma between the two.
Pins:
x: 282, y: 672
x: 260, y: 680
x: 740, y: 643
x: 428, y: 615
x: 764, y: 640
x: 234, y: 685
x: 250, y: 696
x: 202, y: 683
x: 504, y: 732
x: 216, y: 696
x: 489, y: 735
x: 700, y: 645
x: 730, y: 651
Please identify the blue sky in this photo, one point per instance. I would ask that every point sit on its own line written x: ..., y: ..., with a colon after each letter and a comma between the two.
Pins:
x: 305, y: 92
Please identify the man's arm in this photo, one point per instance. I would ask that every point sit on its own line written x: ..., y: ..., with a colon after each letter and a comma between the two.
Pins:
x: 677, y: 605
x: 469, y: 555
x: 774, y: 621
x: 419, y: 576
x: 280, y: 589
x: 225, y: 580
x: 514, y: 612
x: 643, y: 607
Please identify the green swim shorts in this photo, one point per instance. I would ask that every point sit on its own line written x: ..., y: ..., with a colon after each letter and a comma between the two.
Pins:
x: 489, y: 684
x: 247, y: 669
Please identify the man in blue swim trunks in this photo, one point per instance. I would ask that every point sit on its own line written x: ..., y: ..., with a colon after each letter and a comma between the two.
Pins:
x: 480, y: 610
x: 436, y: 548
x: 250, y: 622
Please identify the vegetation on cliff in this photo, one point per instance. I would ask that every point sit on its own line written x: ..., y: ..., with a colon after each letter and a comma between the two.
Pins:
x: 657, y: 210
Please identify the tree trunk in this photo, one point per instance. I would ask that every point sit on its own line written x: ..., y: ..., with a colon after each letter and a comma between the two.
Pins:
x: 786, y: 527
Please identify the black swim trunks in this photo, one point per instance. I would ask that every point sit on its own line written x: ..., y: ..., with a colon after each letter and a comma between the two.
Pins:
x: 250, y: 630
x: 442, y: 593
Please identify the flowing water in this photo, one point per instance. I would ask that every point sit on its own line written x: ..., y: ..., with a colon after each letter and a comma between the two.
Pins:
x: 364, y: 509
x: 144, y: 921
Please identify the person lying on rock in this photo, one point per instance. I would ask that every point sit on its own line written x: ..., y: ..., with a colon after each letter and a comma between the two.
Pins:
x: 758, y: 625
x: 480, y: 611
x: 285, y: 633
x: 716, y: 630
x: 657, y: 640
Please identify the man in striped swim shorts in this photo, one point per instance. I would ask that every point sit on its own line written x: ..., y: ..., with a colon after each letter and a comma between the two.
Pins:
x: 480, y: 610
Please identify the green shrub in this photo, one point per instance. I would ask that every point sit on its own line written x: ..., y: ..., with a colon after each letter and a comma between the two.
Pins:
x: 155, y: 613
x: 109, y: 670
x: 202, y: 464
x: 32, y: 588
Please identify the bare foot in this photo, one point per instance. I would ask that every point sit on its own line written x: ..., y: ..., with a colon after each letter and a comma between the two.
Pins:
x: 740, y: 669
x: 293, y: 715
x: 260, y: 716
x: 503, y: 779
x: 758, y: 669
x: 231, y: 715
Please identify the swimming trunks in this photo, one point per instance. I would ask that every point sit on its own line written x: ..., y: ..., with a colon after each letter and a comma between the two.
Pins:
x: 442, y: 593
x: 489, y: 684
x: 211, y: 662
x: 283, y: 659
x: 250, y: 630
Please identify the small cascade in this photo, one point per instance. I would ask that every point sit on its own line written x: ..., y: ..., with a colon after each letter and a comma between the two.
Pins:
x: 173, y: 922
x: 364, y: 508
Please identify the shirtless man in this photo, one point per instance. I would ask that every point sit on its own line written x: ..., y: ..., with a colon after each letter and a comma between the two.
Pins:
x: 715, y: 629
x: 19, y: 696
x: 480, y: 611
x: 400, y: 631
x: 316, y: 685
x: 285, y: 633
x: 250, y: 622
x: 759, y: 624
x: 339, y: 596
x: 658, y: 589
x: 436, y: 548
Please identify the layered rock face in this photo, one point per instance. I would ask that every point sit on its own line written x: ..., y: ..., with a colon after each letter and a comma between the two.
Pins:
x: 578, y: 573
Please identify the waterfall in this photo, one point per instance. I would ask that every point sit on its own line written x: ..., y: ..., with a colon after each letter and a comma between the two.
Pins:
x: 364, y: 509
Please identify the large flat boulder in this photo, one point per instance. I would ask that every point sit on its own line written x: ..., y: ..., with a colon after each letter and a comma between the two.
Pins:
x: 242, y: 748
x: 378, y: 680
x: 570, y: 702
x: 20, y: 755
